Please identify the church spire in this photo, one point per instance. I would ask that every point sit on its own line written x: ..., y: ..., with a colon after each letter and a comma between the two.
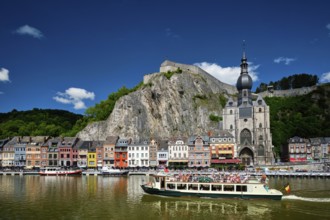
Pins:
x: 243, y: 47
x: 244, y: 64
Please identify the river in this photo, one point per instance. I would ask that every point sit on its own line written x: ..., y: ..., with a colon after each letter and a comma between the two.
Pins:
x: 97, y: 197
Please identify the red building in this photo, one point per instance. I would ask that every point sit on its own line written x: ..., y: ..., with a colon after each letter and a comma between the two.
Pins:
x: 68, y: 154
x: 121, y: 153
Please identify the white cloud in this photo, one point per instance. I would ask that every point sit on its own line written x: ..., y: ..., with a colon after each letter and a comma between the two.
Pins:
x: 31, y: 31
x: 328, y: 27
x: 285, y: 60
x: 74, y: 96
x: 227, y: 74
x: 4, y: 75
x: 170, y: 33
x: 1, y: 93
x: 325, y: 77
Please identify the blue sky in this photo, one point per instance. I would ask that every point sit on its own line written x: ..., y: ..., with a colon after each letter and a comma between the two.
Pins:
x: 72, y: 54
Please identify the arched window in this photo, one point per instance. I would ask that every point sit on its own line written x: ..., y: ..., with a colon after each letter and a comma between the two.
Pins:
x: 231, y: 112
x: 246, y: 137
x: 260, y: 125
x: 261, y: 150
x: 260, y: 109
x: 231, y: 127
x: 260, y: 138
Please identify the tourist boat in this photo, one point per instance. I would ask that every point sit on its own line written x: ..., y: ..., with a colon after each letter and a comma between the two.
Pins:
x: 109, y: 171
x: 58, y: 171
x: 211, y: 187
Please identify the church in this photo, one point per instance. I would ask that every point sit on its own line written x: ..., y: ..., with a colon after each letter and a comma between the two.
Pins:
x: 247, y: 119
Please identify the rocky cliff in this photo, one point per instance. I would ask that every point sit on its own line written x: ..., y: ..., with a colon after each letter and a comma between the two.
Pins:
x: 178, y: 103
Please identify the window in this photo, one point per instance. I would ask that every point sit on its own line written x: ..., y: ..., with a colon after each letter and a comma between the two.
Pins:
x: 246, y: 137
x: 241, y: 188
x: 261, y: 150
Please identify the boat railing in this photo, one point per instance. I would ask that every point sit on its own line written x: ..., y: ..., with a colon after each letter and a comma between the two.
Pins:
x: 217, y: 178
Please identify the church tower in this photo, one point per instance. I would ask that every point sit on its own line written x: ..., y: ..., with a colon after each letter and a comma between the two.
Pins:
x: 248, y: 122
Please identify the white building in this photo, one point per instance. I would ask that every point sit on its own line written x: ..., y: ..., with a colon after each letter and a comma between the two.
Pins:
x: 248, y: 122
x: 178, y: 152
x: 138, y: 155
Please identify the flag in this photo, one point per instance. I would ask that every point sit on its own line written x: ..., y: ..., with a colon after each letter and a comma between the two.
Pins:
x: 287, y: 188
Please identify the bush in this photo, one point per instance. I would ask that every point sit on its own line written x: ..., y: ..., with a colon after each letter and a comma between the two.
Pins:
x: 215, y: 118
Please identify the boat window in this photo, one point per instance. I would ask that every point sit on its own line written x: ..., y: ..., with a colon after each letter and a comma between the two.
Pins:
x: 192, y: 187
x: 182, y: 186
x: 241, y: 188
x: 157, y: 179
x: 170, y: 186
x: 228, y: 188
x: 204, y: 187
x: 216, y: 187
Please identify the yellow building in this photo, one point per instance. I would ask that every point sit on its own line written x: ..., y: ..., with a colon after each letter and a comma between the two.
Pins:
x: 91, y: 159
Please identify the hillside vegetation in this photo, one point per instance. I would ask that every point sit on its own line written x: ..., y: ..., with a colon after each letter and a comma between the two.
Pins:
x: 291, y: 82
x: 305, y: 116
x: 37, y: 122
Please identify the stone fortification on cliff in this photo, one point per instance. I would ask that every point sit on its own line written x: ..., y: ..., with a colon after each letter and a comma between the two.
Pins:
x: 287, y: 93
x: 164, y: 107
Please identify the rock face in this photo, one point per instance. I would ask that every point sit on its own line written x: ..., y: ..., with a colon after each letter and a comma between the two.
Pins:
x: 177, y: 105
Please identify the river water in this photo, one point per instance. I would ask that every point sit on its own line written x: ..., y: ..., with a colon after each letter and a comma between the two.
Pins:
x: 97, y: 197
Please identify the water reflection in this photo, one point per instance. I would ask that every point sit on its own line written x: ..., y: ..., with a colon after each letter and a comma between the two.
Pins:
x: 209, y: 207
x: 24, y: 197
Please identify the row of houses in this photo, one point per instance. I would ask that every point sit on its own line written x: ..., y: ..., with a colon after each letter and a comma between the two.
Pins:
x: 42, y: 151
x: 302, y: 149
x: 194, y: 151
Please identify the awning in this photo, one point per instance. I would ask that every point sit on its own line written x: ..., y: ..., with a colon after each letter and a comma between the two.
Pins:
x: 225, y: 161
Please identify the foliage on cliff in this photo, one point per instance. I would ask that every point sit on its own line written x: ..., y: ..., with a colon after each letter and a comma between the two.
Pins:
x: 290, y: 82
x: 102, y: 110
x: 36, y: 122
x: 304, y: 116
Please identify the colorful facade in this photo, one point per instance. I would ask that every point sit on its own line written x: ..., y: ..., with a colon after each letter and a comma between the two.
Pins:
x: 121, y: 153
x: 109, y: 151
x: 199, y: 151
x: 297, y: 147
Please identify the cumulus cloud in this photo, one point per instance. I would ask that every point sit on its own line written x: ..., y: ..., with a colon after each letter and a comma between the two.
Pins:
x: 30, y: 31
x: 74, y: 96
x: 228, y: 74
x: 325, y: 77
x: 4, y: 75
x: 285, y: 60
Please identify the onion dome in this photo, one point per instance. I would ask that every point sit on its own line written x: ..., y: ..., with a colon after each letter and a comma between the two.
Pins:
x: 244, y: 81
